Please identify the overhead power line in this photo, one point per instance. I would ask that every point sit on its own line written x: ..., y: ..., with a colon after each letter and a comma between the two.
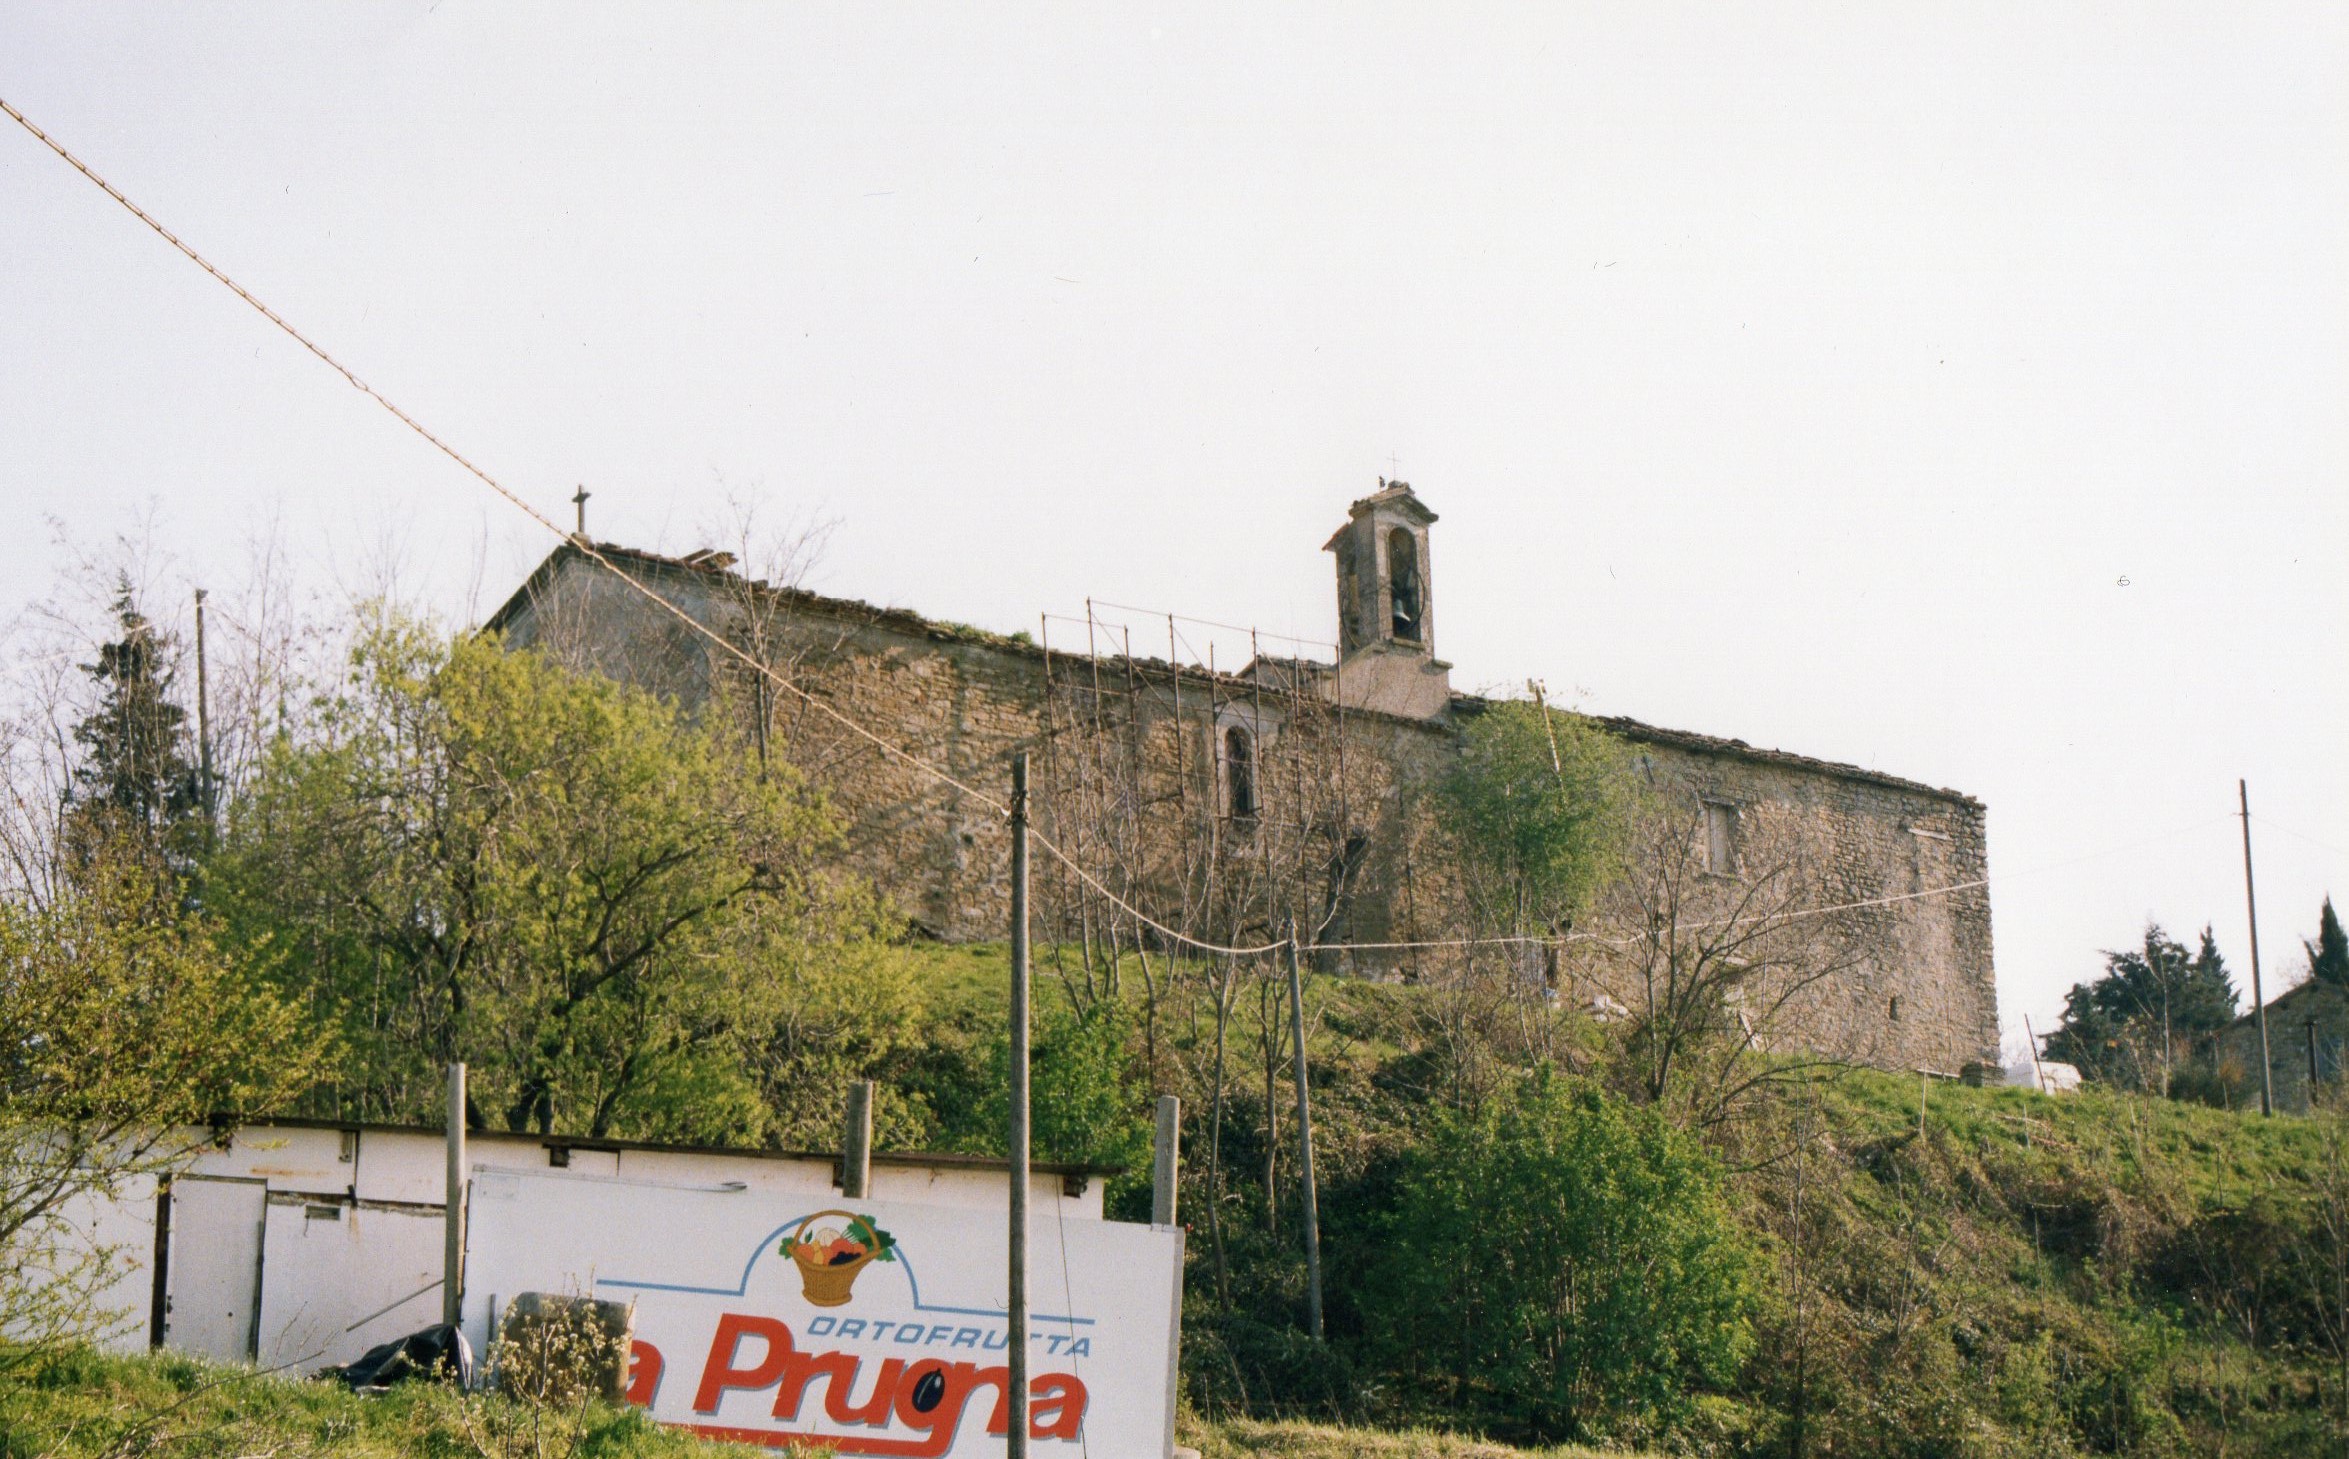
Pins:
x: 1155, y: 614
x: 586, y: 546
x: 2273, y: 824
x: 727, y: 646
x: 582, y: 543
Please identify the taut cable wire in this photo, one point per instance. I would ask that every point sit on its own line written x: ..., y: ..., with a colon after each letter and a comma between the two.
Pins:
x: 583, y: 544
x: 596, y: 554
x: 1002, y: 810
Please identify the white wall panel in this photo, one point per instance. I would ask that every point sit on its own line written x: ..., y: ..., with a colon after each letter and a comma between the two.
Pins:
x: 215, y: 1266
x: 106, y: 1246
x: 396, y: 1165
x: 329, y: 1271
x: 289, y: 1158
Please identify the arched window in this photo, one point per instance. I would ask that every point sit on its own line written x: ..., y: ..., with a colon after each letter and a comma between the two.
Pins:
x: 1405, y: 593
x: 1239, y: 773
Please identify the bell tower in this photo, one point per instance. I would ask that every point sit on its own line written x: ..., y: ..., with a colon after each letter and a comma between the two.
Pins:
x: 1386, y: 606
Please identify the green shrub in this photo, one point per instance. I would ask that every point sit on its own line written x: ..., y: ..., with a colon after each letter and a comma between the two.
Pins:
x: 1084, y: 1102
x: 1563, y: 1263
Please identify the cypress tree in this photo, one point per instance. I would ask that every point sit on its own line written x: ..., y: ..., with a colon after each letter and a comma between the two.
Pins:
x: 2115, y: 1028
x: 134, y: 790
x: 2207, y: 995
x: 2328, y: 956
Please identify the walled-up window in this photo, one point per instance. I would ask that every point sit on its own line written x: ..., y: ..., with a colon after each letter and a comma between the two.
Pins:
x: 1345, y: 874
x: 1239, y: 773
x: 1406, y: 592
x: 1720, y: 838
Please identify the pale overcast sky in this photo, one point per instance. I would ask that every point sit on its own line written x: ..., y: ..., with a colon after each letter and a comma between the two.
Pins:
x: 1952, y: 389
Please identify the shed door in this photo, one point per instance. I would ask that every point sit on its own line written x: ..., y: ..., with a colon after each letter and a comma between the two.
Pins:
x: 214, y: 1303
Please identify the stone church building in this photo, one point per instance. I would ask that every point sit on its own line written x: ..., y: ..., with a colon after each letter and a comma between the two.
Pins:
x: 1227, y: 804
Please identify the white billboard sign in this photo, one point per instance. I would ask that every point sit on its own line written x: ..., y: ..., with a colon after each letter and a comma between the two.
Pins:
x: 871, y: 1327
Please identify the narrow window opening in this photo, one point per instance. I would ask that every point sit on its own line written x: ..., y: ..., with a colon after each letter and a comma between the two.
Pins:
x: 1344, y: 871
x: 1892, y: 1010
x: 1405, y: 593
x: 1720, y: 838
x: 1239, y: 761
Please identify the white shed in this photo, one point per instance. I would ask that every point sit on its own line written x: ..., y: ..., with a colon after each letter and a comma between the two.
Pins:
x: 2044, y: 1075
x: 297, y: 1244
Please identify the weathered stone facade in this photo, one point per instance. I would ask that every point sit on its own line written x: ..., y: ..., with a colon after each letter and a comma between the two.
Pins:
x: 2308, y: 1046
x: 1230, y: 803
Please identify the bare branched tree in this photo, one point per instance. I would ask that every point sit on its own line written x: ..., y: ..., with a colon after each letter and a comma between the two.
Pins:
x: 771, y: 554
x: 1720, y: 968
x: 1218, y: 806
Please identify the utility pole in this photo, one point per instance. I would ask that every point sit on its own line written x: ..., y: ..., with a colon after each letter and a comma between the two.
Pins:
x: 203, y: 723
x: 2267, y: 1073
x: 452, y: 1256
x: 856, y: 1145
x: 1166, y: 1160
x: 2165, y: 1035
x: 1016, y: 1439
x: 1312, y: 1201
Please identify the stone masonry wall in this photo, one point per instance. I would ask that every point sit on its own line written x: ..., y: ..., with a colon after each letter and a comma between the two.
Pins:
x: 1918, y: 991
x: 2308, y: 1035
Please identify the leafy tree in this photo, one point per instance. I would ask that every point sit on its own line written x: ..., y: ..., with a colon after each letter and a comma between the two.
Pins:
x: 1085, y: 1104
x: 601, y: 905
x: 125, y: 1027
x: 1565, y: 1260
x: 134, y: 782
x: 1538, y: 803
x: 2152, y: 1006
x: 842, y: 1005
x: 2328, y: 956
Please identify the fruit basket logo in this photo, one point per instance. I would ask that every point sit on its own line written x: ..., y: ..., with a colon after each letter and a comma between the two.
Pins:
x: 829, y: 1257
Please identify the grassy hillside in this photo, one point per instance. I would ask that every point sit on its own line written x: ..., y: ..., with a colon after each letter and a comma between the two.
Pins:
x: 2018, y: 1274
x: 2097, y: 1273
x: 94, y: 1407
x: 2009, y: 1275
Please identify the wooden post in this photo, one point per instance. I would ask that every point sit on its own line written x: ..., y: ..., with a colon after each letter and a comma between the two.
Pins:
x: 452, y: 1254
x: 2168, y: 1043
x: 856, y: 1145
x: 1174, y: 665
x: 2267, y: 1072
x: 1016, y: 1405
x: 1166, y: 1160
x: 159, y: 1298
x: 203, y: 725
x: 1312, y: 1198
